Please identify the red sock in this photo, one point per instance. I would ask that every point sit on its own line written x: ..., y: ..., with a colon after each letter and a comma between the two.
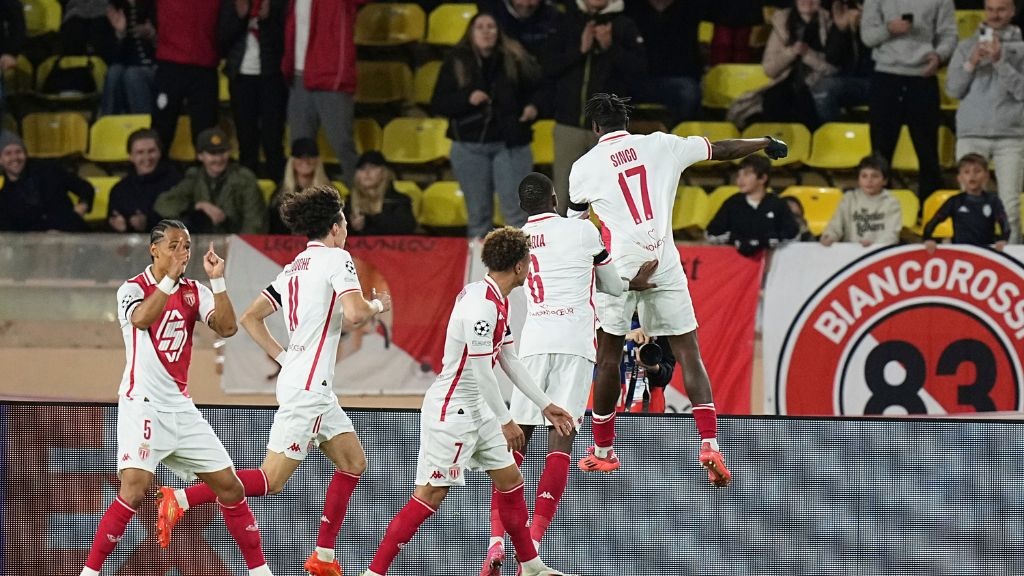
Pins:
x: 254, y: 482
x: 516, y: 518
x: 243, y: 528
x: 339, y: 491
x: 707, y: 421
x: 604, y: 430
x: 549, y: 493
x: 109, y: 532
x: 400, y: 531
x: 497, y: 528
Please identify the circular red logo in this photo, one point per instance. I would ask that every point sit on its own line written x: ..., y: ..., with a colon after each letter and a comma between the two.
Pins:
x: 901, y: 331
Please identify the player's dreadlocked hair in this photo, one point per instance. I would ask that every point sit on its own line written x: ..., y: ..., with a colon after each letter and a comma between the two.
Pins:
x: 504, y: 248
x: 160, y: 230
x: 608, y: 111
x: 312, y: 212
x: 535, y: 193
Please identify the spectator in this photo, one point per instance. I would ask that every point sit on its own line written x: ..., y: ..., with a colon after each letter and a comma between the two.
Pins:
x: 85, y: 28
x: 12, y: 38
x: 34, y: 196
x: 978, y: 216
x: 988, y: 78
x: 795, y: 61
x: 850, y: 86
x: 128, y: 88
x: 734, y: 22
x: 670, y: 32
x: 910, y: 40
x: 596, y: 49
x: 485, y: 88
x: 131, y: 200
x: 797, y: 209
x: 647, y: 367
x: 251, y: 33
x: 320, y: 65
x: 756, y: 219
x: 217, y: 197
x: 374, y: 207
x: 869, y: 214
x: 304, y: 170
x: 186, y: 72
x: 530, y: 22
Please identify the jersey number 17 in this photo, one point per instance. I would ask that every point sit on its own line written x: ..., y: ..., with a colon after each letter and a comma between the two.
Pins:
x: 645, y: 196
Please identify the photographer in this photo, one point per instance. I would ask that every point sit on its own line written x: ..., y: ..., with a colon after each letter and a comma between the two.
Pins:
x: 646, y: 369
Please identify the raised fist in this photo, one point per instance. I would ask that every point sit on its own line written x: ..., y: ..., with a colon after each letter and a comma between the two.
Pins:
x: 776, y: 148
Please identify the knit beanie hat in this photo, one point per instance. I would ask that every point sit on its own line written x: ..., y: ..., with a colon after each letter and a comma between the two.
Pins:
x: 7, y: 138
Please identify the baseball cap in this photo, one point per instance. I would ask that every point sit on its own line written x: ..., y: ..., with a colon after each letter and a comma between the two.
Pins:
x: 305, y: 148
x: 212, y: 141
x: 371, y: 157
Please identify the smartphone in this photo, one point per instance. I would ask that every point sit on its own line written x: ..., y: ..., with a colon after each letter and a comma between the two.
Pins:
x: 985, y: 35
x: 909, y: 17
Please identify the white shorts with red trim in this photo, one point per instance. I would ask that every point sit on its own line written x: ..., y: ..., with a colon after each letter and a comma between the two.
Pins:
x: 306, y: 419
x: 663, y: 311
x: 459, y: 443
x: 184, y: 442
x: 565, y: 378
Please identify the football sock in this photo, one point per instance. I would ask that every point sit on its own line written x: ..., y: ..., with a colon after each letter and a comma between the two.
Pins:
x: 550, y: 488
x: 243, y: 528
x: 109, y: 533
x: 339, y: 492
x: 400, y: 531
x: 261, y: 571
x: 604, y: 433
x: 516, y: 518
x: 497, y: 528
x: 707, y: 423
x: 253, y: 481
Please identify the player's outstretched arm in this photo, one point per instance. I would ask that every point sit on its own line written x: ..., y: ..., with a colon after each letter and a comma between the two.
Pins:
x: 358, y: 309
x: 736, y: 148
x: 521, y: 378
x: 255, y: 325
x: 222, y: 321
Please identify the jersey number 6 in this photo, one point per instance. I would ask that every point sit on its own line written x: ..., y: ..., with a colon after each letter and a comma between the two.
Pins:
x: 534, y: 281
x: 645, y: 197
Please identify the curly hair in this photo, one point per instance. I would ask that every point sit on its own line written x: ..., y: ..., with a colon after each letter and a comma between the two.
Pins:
x: 312, y: 212
x: 504, y: 248
x: 608, y: 111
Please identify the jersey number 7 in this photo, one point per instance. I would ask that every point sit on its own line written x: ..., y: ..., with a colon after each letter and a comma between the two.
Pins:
x: 645, y: 196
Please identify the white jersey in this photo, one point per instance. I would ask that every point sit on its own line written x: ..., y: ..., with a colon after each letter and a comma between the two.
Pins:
x: 157, y: 358
x: 560, y: 316
x: 478, y: 326
x: 308, y: 291
x: 630, y: 182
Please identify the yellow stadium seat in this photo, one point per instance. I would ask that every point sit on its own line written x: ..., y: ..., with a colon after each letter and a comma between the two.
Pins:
x: 448, y: 22
x: 18, y: 80
x: 839, y: 146
x: 711, y: 130
x: 931, y: 205
x: 267, y: 187
x: 705, y: 32
x: 946, y: 102
x: 716, y: 199
x: 223, y: 87
x: 368, y: 135
x: 389, y: 24
x: 183, y: 149
x: 443, y: 206
x: 796, y: 136
x: 909, y: 206
x: 382, y: 82
x: 905, y: 157
x: 99, y: 74
x: 967, y: 22
x: 108, y: 136
x: 55, y: 135
x: 412, y: 190
x: 42, y: 16
x: 343, y: 190
x: 819, y: 204
x: 725, y: 82
x: 102, y: 185
x: 543, y: 144
x: 424, y: 80
x: 416, y: 140
x: 690, y: 212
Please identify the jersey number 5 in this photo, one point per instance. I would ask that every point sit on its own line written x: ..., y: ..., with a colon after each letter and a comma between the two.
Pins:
x: 534, y: 281
x: 645, y: 197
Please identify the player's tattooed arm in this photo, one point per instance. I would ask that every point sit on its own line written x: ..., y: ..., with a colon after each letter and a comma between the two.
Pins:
x: 736, y: 148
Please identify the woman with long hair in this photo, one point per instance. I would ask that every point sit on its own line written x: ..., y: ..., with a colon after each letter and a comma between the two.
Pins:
x: 375, y: 207
x: 304, y: 169
x: 486, y: 87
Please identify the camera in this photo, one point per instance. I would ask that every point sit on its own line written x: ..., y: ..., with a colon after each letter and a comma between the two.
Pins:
x: 650, y: 354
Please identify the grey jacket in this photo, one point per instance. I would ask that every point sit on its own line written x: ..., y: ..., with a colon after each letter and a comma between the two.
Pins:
x: 934, y: 30
x: 992, y: 95
x: 861, y: 217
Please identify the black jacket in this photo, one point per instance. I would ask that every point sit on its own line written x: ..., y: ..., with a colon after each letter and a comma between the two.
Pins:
x: 12, y: 27
x: 138, y: 193
x: 38, y: 200
x: 974, y: 219
x: 233, y: 31
x: 129, y: 50
x: 395, y: 218
x: 577, y: 76
x: 494, y: 121
x: 670, y: 37
x: 753, y: 229
x: 531, y: 32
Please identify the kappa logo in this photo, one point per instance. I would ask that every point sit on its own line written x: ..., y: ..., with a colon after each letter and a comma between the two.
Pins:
x: 114, y: 539
x: 126, y: 457
x: 901, y: 331
x: 546, y: 495
x: 437, y: 475
x: 295, y: 447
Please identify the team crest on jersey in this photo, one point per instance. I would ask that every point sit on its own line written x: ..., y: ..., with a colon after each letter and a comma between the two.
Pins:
x: 901, y: 331
x: 190, y: 298
x: 350, y: 266
x: 143, y: 451
x: 453, y: 472
x: 482, y: 328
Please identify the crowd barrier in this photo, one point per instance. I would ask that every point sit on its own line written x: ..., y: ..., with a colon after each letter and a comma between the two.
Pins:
x: 809, y: 496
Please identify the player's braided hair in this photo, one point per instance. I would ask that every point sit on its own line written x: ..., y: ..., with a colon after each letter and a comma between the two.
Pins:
x: 312, y: 212
x: 504, y: 248
x: 160, y: 230
x: 608, y: 111
x: 535, y: 192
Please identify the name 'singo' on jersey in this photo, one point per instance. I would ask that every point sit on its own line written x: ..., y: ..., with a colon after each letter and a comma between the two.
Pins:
x: 560, y: 314
x: 308, y: 291
x: 157, y: 358
x: 630, y: 182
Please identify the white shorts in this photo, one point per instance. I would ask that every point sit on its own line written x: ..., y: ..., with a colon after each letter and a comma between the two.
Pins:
x: 565, y: 378
x: 663, y: 311
x: 184, y: 442
x: 448, y: 449
x: 305, y: 419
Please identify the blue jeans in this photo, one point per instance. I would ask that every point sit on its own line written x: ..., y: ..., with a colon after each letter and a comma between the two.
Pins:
x: 833, y: 93
x: 680, y: 94
x: 128, y: 90
x: 485, y: 169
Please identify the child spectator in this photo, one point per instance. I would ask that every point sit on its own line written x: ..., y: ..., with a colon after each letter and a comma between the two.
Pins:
x: 975, y: 212
x: 756, y: 219
x: 868, y: 214
x: 798, y: 215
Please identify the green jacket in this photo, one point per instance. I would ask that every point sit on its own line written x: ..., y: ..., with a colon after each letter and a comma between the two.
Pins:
x: 236, y: 192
